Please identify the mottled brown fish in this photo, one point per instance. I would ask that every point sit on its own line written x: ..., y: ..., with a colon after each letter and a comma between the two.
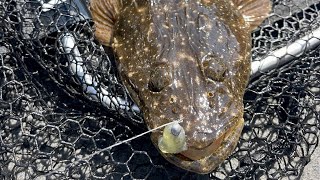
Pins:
x: 185, y: 60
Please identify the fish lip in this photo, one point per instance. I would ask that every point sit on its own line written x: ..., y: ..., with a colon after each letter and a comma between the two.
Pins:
x: 189, y: 164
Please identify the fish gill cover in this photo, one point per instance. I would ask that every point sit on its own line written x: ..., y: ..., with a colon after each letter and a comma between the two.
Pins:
x: 62, y: 104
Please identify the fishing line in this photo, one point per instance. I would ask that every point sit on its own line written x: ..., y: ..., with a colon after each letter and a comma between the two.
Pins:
x: 114, y: 145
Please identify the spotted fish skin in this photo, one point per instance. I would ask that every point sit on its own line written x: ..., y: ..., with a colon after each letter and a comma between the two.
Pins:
x: 184, y: 60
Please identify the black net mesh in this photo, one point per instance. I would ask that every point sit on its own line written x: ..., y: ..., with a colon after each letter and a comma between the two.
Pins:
x: 62, y: 105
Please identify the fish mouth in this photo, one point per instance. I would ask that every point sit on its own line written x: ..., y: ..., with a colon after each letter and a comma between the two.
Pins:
x: 196, y: 152
x: 206, y: 159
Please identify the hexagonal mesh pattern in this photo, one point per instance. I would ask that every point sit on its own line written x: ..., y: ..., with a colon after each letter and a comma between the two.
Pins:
x: 62, y: 105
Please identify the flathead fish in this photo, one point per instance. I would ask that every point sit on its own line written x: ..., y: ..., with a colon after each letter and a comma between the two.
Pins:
x: 186, y: 61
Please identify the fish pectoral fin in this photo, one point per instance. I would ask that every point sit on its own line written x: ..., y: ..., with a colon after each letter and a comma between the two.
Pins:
x: 104, y: 14
x: 253, y: 11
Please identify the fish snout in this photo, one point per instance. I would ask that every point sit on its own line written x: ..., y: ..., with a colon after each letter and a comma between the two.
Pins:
x: 203, y: 140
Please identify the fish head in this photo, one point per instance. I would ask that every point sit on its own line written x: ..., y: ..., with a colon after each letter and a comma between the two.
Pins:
x: 205, y: 96
x: 188, y: 66
x: 186, y: 62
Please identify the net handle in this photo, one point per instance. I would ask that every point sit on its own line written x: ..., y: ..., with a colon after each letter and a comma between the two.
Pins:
x: 286, y: 54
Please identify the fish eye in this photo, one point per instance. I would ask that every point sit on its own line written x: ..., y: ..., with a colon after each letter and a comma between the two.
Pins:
x: 214, y: 68
x: 159, y: 78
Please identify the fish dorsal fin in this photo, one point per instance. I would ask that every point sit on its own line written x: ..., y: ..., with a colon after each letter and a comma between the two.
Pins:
x: 253, y: 11
x: 104, y: 14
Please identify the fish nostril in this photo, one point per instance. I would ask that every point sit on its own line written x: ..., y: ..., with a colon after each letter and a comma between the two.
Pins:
x: 174, y: 110
x: 211, y: 99
x: 172, y: 99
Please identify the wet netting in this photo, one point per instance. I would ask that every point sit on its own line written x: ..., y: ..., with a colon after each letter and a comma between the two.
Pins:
x: 63, y: 107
